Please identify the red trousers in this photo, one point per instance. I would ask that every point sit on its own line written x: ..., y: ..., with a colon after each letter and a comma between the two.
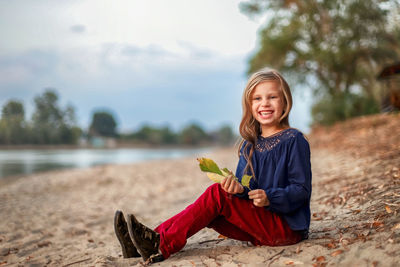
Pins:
x: 230, y: 216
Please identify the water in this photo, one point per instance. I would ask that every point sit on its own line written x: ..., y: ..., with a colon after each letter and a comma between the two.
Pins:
x: 21, y: 162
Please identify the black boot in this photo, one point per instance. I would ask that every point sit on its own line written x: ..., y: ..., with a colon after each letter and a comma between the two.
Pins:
x: 121, y: 231
x: 145, y: 240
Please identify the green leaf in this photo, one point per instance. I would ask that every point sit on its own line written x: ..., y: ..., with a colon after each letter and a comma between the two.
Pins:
x: 208, y: 165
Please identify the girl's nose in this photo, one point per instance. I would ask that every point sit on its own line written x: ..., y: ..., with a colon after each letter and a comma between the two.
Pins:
x: 265, y: 102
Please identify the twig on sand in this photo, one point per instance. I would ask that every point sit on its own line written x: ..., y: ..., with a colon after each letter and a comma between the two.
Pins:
x: 271, y: 259
x: 75, y: 262
x: 273, y: 256
x: 211, y: 240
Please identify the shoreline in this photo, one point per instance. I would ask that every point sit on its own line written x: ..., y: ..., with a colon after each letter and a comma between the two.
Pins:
x: 35, y: 165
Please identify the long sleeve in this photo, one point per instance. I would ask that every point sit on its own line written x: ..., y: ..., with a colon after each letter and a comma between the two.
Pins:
x: 297, y: 192
x: 240, y: 171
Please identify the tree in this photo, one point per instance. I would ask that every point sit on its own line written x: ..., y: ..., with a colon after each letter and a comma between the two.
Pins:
x: 224, y: 135
x: 335, y: 47
x: 50, y: 123
x: 12, y: 124
x: 155, y: 136
x: 13, y: 109
x: 193, y: 134
x: 168, y: 136
x: 103, y: 124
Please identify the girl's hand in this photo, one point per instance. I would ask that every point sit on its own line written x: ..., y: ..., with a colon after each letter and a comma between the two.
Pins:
x: 259, y: 198
x: 231, y: 186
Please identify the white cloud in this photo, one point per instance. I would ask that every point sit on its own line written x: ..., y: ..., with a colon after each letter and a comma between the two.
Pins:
x: 43, y: 23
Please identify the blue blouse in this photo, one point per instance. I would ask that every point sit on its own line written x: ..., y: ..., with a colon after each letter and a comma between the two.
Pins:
x: 282, y: 167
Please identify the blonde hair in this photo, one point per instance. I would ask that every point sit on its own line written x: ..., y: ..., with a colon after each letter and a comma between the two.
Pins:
x: 249, y: 127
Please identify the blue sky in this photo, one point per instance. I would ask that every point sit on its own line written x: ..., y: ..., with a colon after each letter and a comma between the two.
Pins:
x: 157, y: 62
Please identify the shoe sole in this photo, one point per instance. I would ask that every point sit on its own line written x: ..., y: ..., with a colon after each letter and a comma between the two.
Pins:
x: 118, y: 219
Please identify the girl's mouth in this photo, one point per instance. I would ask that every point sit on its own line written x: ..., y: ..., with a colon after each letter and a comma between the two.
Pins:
x: 265, y: 112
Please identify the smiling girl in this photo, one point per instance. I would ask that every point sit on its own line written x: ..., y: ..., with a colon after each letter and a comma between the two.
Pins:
x: 273, y: 211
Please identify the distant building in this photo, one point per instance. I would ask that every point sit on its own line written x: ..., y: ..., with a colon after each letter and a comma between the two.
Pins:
x: 390, y: 76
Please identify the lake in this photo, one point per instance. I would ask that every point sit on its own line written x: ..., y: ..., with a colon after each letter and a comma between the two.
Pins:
x: 28, y: 161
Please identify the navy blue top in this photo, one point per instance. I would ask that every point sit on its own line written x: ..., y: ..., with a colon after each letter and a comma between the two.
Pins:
x: 282, y: 168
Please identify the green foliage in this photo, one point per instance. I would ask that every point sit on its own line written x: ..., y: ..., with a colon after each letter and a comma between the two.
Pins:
x: 331, y: 46
x: 154, y: 135
x: 103, y: 124
x: 50, y: 123
x: 47, y: 110
x: 13, y: 110
x: 12, y: 123
x: 193, y: 134
x: 224, y: 135
x: 343, y: 106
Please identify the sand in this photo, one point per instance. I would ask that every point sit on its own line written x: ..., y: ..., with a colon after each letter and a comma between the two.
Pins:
x: 65, y: 218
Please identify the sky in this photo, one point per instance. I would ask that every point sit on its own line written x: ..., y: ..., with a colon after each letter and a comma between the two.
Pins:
x: 148, y: 62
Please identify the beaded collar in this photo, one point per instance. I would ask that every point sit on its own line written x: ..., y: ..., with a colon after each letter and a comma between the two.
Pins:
x: 269, y: 142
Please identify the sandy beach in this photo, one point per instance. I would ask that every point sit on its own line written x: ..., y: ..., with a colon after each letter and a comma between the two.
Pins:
x: 65, y: 218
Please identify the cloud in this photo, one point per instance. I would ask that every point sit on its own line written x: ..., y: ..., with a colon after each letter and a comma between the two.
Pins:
x: 195, y: 51
x: 24, y: 67
x: 78, y: 28
x: 140, y: 84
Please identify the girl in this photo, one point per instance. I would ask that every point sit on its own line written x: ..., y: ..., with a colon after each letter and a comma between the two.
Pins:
x: 275, y: 211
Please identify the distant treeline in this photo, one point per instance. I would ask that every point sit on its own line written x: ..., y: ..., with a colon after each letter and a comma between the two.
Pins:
x: 51, y: 125
x: 192, y: 134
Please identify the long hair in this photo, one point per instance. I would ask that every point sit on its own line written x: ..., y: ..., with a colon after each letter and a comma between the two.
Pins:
x: 249, y: 127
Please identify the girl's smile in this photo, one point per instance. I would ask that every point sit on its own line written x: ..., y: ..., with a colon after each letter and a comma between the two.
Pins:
x: 267, y: 106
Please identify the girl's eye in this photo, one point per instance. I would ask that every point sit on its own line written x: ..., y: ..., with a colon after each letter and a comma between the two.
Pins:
x: 257, y: 98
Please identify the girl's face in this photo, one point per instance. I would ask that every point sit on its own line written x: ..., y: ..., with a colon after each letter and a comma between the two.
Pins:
x: 267, y: 106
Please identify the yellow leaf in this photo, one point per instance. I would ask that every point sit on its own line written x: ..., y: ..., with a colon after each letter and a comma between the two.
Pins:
x: 225, y: 172
x: 246, y: 180
x: 215, y: 177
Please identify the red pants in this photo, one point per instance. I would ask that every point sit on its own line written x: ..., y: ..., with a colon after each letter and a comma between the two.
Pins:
x: 230, y: 216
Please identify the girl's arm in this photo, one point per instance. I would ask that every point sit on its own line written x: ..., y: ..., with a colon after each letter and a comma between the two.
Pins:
x: 298, y: 192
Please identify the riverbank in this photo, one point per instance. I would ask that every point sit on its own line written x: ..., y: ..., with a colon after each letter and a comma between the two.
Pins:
x: 17, y: 163
x: 65, y: 218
